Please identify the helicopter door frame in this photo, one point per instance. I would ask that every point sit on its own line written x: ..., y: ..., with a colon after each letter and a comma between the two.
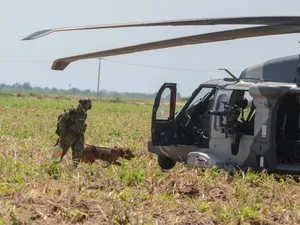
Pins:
x: 163, y: 129
x: 219, y: 144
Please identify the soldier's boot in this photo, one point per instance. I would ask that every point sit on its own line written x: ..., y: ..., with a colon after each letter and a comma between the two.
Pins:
x: 75, y: 163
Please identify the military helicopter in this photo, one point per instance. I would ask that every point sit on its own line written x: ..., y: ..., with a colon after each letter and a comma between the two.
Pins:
x: 250, y: 121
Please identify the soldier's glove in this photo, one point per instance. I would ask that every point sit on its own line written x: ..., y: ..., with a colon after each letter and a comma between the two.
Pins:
x: 59, y: 140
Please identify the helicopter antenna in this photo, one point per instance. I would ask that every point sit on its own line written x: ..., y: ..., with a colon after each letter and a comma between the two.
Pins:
x: 227, y: 71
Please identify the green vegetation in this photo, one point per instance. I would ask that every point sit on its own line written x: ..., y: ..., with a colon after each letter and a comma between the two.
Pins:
x: 137, y: 192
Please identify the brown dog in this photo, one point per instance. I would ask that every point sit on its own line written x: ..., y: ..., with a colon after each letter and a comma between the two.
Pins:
x: 110, y: 155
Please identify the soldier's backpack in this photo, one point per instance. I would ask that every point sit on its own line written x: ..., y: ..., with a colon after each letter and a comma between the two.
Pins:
x: 57, y: 126
x: 70, y: 111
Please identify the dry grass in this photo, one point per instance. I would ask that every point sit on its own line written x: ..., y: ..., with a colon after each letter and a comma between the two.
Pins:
x: 135, y: 193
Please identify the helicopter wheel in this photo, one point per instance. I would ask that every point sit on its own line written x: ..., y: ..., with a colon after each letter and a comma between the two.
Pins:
x: 231, y: 169
x: 165, y: 162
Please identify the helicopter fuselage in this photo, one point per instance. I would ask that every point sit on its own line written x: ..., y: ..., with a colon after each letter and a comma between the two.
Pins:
x: 252, y: 122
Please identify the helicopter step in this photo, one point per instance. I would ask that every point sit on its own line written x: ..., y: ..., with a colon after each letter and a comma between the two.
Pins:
x: 203, y: 160
x: 290, y: 168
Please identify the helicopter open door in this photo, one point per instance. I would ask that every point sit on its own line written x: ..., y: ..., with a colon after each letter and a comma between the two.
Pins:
x: 163, y: 114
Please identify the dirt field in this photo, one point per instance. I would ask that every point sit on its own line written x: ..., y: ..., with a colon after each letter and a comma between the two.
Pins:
x: 135, y: 193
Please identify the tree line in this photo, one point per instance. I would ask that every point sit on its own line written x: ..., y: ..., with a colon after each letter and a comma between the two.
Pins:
x: 27, y: 88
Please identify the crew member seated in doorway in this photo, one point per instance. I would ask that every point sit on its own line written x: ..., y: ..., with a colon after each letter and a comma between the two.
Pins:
x: 245, y: 123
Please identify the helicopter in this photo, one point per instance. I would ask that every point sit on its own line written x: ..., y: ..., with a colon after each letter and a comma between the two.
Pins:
x: 249, y: 121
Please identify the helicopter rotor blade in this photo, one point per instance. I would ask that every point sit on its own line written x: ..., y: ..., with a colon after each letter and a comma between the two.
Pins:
x: 263, y: 20
x: 62, y: 63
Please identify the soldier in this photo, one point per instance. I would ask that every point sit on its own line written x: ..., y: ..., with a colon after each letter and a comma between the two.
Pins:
x: 246, y: 125
x: 71, y: 128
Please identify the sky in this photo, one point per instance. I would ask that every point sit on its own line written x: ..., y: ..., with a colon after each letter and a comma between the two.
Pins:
x: 188, y: 66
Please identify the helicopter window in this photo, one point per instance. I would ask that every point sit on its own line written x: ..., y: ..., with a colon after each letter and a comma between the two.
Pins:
x: 163, y: 111
x: 203, y: 93
x: 222, y: 97
x: 242, y: 99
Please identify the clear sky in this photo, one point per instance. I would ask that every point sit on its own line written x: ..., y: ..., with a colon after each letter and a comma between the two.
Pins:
x: 188, y: 66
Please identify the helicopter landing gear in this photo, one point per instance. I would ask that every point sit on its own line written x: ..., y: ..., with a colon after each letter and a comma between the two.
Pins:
x: 263, y: 164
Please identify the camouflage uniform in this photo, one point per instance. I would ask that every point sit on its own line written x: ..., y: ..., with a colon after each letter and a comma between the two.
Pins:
x: 72, y: 127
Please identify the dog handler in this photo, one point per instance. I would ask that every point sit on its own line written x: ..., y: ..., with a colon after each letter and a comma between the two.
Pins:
x: 71, y: 127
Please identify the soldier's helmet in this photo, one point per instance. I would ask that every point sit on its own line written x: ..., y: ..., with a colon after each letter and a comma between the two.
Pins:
x: 242, y: 103
x: 85, y: 104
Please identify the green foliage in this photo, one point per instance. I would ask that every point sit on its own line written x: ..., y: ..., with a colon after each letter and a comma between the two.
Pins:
x: 53, y: 170
x: 126, y: 195
x: 204, y: 206
x: 225, y: 214
x: 249, y: 213
x: 116, y: 100
x: 6, y: 189
x: 211, y: 174
x: 131, y: 177
x: 14, y: 220
x: 77, y: 215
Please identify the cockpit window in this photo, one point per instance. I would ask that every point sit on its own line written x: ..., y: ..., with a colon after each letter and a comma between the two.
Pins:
x: 205, y: 91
